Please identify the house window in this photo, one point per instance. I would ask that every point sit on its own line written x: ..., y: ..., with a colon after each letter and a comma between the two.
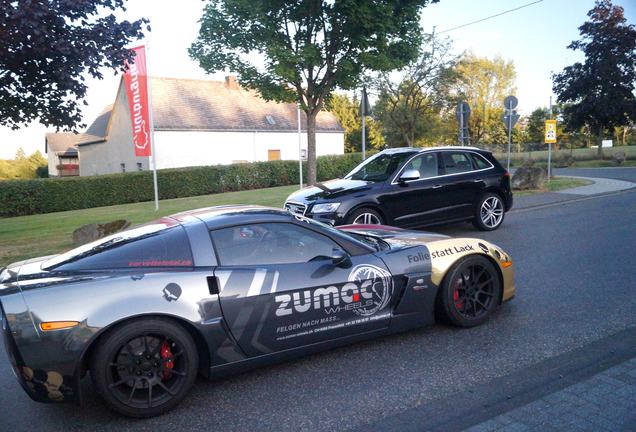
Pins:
x: 123, y: 167
x: 273, y: 155
x: 139, y: 167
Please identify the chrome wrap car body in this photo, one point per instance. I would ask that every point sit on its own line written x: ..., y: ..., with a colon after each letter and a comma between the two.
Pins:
x: 244, y: 302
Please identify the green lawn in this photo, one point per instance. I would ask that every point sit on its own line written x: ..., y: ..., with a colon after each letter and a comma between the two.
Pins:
x: 44, y: 234
x: 556, y: 184
x: 601, y: 164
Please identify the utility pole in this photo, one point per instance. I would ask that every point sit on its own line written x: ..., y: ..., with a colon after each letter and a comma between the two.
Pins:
x: 550, y: 148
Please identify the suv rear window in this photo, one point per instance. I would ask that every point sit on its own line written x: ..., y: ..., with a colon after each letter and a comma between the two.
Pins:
x: 456, y: 162
x: 479, y: 161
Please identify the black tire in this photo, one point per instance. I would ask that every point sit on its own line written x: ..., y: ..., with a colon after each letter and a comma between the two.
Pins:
x: 144, y: 367
x: 489, y: 213
x: 467, y: 296
x: 358, y: 214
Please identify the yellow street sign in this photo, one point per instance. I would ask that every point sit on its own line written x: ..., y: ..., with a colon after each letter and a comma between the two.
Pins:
x: 550, y: 131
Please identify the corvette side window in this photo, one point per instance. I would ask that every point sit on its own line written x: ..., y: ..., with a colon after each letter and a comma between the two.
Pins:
x: 167, y: 248
x: 270, y: 243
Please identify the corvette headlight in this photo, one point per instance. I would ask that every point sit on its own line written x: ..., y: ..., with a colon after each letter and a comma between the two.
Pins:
x: 325, y: 208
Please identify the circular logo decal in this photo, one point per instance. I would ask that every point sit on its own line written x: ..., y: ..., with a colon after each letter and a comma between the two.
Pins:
x: 377, y: 284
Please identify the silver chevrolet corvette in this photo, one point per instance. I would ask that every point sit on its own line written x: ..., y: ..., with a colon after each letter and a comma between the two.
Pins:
x: 224, y: 289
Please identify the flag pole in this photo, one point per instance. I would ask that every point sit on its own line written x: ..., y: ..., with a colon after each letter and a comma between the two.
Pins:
x: 152, y: 133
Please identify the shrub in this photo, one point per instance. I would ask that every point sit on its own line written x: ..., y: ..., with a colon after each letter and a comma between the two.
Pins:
x: 33, y: 196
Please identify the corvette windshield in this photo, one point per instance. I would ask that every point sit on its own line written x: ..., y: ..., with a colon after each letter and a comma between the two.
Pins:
x: 378, y: 168
x: 368, y: 240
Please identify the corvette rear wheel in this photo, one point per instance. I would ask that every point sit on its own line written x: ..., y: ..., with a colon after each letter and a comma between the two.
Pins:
x: 469, y: 293
x: 145, y: 367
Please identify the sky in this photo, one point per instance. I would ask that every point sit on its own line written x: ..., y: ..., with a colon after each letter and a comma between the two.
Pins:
x: 534, y: 38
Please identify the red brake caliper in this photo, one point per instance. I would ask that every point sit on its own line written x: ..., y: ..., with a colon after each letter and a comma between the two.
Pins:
x: 168, y: 364
x: 458, y: 303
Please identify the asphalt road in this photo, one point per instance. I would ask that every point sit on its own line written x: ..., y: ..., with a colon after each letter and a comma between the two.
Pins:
x: 575, y: 289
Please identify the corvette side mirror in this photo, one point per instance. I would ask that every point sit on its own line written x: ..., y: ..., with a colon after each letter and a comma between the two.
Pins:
x: 409, y: 174
x: 340, y: 258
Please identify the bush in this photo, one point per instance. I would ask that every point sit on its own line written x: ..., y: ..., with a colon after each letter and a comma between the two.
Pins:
x: 24, y: 197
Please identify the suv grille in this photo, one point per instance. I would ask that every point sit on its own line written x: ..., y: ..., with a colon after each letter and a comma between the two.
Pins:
x: 296, y: 208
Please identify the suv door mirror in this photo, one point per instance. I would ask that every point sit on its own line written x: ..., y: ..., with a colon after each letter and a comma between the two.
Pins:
x: 409, y: 174
x: 340, y: 258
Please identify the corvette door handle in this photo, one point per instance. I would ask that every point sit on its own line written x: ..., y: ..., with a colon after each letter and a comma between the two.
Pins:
x: 477, y: 181
x: 437, y: 186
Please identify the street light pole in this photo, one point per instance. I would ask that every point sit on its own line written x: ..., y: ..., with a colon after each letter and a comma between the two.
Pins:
x: 550, y: 148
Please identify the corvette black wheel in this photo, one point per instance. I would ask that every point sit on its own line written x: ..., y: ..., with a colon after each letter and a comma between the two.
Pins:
x: 145, y: 367
x: 469, y: 293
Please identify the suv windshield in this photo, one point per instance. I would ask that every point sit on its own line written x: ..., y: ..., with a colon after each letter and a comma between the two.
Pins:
x: 380, y: 167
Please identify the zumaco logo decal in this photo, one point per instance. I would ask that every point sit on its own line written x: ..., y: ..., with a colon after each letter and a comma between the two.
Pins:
x: 367, y: 291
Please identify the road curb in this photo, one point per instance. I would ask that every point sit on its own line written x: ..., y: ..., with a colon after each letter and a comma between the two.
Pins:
x: 611, y: 187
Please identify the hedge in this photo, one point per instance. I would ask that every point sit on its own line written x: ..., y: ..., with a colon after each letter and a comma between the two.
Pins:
x: 33, y: 196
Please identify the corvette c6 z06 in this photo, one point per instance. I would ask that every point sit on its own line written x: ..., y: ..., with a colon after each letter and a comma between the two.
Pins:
x: 224, y: 289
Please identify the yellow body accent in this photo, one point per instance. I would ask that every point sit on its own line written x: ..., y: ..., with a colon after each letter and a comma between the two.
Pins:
x: 445, y: 253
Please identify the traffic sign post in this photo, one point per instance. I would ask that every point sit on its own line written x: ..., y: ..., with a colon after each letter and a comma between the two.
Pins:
x: 510, y: 119
x: 462, y: 112
x: 550, y: 138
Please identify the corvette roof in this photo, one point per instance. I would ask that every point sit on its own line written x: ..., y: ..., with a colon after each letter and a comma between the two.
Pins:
x: 218, y: 216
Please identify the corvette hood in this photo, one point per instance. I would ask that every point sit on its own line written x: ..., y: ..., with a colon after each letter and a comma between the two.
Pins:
x: 395, y: 236
x: 328, y: 190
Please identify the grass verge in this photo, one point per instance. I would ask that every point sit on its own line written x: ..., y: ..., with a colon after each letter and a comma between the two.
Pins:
x: 25, y: 237
x: 555, y: 185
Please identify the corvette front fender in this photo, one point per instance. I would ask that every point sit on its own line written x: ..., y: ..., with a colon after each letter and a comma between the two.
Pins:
x: 445, y: 253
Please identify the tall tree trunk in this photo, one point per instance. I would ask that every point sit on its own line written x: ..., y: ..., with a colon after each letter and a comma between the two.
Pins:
x: 311, y: 147
x: 599, y: 150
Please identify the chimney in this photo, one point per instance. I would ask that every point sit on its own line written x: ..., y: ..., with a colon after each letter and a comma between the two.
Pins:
x: 231, y: 83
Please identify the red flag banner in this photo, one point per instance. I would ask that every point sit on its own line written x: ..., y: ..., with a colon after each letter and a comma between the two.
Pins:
x: 136, y: 81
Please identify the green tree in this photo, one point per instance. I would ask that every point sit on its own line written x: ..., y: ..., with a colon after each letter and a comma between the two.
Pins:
x: 20, y: 154
x: 307, y: 48
x: 347, y: 111
x: 600, y: 91
x: 48, y: 48
x: 536, y: 125
x: 22, y: 166
x: 409, y: 108
x: 484, y: 83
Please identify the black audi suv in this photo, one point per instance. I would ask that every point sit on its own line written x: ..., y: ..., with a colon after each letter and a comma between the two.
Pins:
x: 410, y: 188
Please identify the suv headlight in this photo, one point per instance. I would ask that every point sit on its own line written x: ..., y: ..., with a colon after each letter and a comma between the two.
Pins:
x: 325, y: 208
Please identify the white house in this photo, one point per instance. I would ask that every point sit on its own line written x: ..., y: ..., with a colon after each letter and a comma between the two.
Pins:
x: 199, y: 122
x: 61, y: 150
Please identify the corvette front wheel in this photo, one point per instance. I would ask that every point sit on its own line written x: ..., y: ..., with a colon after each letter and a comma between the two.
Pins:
x: 469, y: 293
x: 145, y: 367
